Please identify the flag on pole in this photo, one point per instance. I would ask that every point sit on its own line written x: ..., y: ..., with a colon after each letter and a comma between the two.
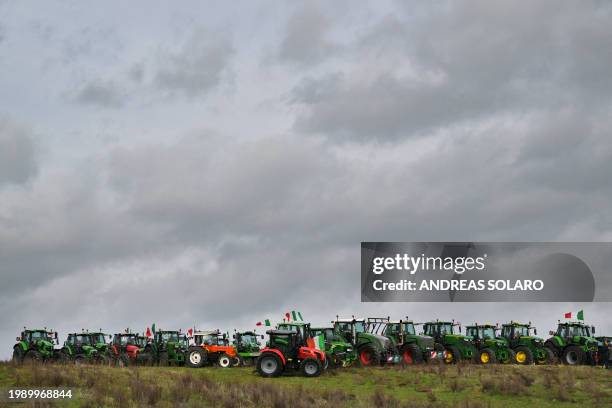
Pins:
x: 288, y: 316
x: 300, y: 316
x: 148, y: 332
x: 264, y: 323
x: 568, y: 315
x: 153, y: 328
x: 190, y: 332
x: 294, y: 315
x: 580, y: 315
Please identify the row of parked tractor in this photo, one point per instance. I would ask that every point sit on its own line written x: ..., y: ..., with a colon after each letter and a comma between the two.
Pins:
x: 346, y: 342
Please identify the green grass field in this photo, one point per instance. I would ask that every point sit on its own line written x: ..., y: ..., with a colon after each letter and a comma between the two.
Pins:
x: 423, y: 386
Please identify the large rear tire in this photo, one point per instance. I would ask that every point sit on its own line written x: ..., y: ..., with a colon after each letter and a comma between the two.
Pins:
x: 486, y: 356
x: 524, y: 356
x: 311, y: 367
x: 196, y: 357
x: 452, y: 355
x: 269, y: 365
x: 549, y: 357
x: 32, y: 357
x: 17, y: 354
x: 163, y: 359
x: 511, y: 357
x: 368, y: 356
x: 573, y: 355
x: 411, y: 354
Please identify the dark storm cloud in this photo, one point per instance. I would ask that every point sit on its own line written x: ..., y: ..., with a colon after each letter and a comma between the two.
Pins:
x: 103, y: 94
x: 17, y: 154
x: 197, y: 67
x: 306, y: 38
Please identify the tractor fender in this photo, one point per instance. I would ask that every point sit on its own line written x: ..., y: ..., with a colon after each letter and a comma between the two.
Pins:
x: 306, y: 352
x: 23, y: 345
x: 556, y: 341
x: 275, y: 351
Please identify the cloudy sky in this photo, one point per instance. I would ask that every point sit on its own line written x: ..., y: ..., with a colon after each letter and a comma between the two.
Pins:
x: 213, y: 164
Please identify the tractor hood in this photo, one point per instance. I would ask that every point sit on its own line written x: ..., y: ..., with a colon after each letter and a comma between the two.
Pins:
x: 425, y: 342
x: 44, y: 344
x: 458, y: 337
x: 382, y: 340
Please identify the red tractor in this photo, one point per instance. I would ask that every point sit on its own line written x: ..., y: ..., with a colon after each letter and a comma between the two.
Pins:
x: 128, y: 349
x: 287, y: 350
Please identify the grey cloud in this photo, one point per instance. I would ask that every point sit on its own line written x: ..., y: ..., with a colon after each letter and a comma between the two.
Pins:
x: 105, y: 94
x: 479, y: 61
x: 18, y: 161
x: 306, y: 39
x: 197, y: 67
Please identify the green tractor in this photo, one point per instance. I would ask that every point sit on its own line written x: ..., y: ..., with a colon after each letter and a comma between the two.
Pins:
x: 456, y: 346
x: 168, y: 347
x: 84, y: 347
x: 247, y: 346
x: 573, y: 343
x: 338, y: 351
x: 35, y: 345
x: 529, y: 349
x: 489, y: 348
x: 372, y: 349
x: 413, y: 348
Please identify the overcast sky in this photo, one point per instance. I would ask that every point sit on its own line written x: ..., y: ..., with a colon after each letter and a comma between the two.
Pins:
x: 205, y: 163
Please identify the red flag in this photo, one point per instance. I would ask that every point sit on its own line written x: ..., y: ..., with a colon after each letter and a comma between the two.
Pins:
x: 190, y: 332
x: 258, y: 324
x: 288, y: 315
x: 148, y: 332
x: 568, y: 315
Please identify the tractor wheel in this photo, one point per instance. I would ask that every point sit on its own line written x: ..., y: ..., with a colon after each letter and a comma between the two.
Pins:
x: 326, y: 363
x: 452, y: 356
x: 102, y: 359
x: 80, y: 359
x: 163, y: 359
x: 311, y: 367
x: 224, y: 361
x: 412, y: 354
x: 122, y: 361
x: 511, y: 357
x: 368, y: 356
x: 573, y: 355
x: 237, y: 361
x: 196, y: 357
x: 549, y: 357
x: 486, y: 356
x: 32, y: 357
x: 269, y: 365
x: 62, y: 358
x: 524, y: 356
x: 17, y: 354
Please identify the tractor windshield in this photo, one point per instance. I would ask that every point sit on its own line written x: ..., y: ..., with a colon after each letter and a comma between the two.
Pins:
x: 97, y: 338
x: 40, y: 335
x: 82, y: 339
x: 128, y: 339
x: 248, y: 339
x: 409, y: 328
x: 360, y: 327
x: 521, y: 331
x: 170, y: 336
x: 486, y: 332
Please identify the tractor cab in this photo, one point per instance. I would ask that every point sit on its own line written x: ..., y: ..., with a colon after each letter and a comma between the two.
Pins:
x: 303, y: 329
x: 247, y: 341
x: 38, y: 335
x: 210, y: 338
x: 350, y: 328
x: 413, y: 348
x: 570, y: 330
x: 457, y: 346
x: 126, y: 339
x: 286, y: 341
x: 372, y: 347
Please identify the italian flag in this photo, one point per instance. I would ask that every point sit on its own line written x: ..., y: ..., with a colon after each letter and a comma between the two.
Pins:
x: 579, y: 315
x: 264, y: 323
x: 294, y: 316
x: 317, y: 342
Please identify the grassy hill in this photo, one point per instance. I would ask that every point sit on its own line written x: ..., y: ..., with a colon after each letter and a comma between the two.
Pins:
x: 423, y: 386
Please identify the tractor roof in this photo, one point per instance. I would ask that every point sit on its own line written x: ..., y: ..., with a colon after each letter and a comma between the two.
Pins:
x: 573, y: 324
x: 294, y: 323
x: 439, y: 322
x: 513, y: 323
x: 486, y: 325
x: 281, y: 332
x: 348, y: 320
x: 206, y: 332
x: 400, y: 321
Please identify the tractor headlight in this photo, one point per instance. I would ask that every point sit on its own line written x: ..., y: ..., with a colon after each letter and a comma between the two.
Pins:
x: 349, y: 350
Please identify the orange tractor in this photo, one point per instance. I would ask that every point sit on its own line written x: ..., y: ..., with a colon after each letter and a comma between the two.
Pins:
x: 209, y: 347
